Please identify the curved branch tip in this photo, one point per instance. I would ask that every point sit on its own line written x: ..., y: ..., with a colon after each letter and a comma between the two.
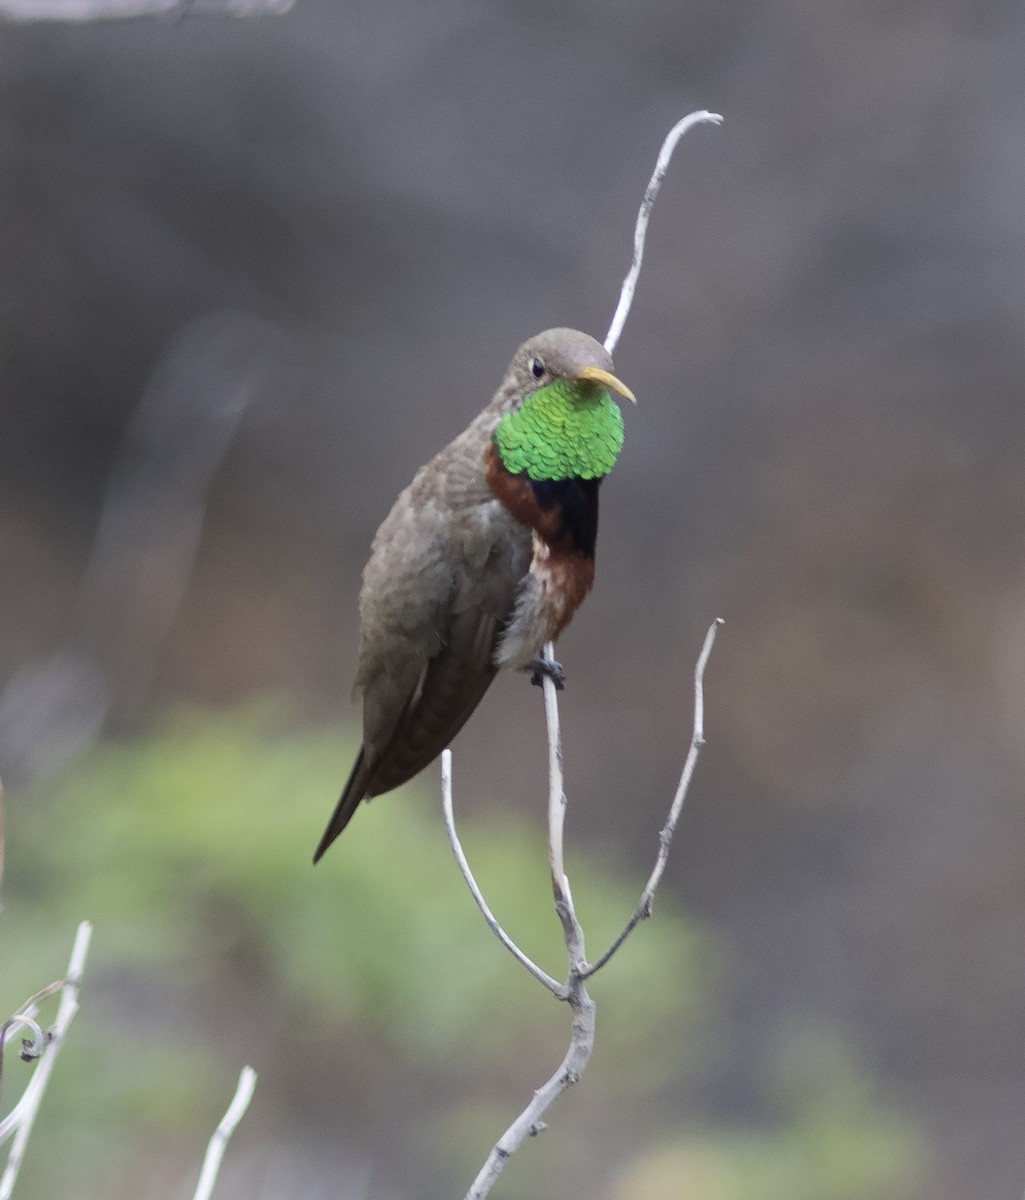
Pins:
x: 626, y: 294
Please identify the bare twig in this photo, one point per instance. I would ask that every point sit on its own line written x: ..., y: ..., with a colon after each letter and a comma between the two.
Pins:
x: 24, y: 1017
x: 219, y: 1141
x: 22, y: 1117
x: 665, y: 837
x: 575, y: 993
x: 78, y: 11
x: 542, y: 976
x: 572, y: 933
x: 626, y: 294
x: 31, y: 1047
x: 529, y: 1123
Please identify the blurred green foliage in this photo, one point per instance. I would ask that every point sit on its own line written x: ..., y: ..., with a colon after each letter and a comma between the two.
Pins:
x: 837, y: 1139
x: 369, y: 978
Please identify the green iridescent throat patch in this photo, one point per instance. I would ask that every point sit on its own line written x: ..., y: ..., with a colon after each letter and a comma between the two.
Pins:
x: 566, y: 430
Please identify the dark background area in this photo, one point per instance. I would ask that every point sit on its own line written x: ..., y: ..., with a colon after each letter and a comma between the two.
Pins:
x: 253, y: 273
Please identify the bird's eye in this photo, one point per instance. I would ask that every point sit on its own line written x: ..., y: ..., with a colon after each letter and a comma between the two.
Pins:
x: 537, y: 368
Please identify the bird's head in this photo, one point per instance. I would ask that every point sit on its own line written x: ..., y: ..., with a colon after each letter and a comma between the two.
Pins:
x: 564, y: 356
x: 560, y: 420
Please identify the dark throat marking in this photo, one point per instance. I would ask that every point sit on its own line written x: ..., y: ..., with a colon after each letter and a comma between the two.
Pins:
x: 563, y: 515
x: 562, y: 512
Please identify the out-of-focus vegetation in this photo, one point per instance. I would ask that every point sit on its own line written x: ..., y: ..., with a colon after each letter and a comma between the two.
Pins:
x: 217, y: 943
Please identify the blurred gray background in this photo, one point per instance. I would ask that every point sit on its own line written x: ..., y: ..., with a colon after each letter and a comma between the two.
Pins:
x: 253, y: 273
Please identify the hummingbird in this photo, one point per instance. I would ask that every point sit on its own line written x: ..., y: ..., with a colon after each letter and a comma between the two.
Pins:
x: 483, y: 559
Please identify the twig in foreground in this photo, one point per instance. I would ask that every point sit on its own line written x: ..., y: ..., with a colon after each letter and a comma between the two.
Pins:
x: 80, y: 11
x: 219, y: 1141
x: 22, y: 1117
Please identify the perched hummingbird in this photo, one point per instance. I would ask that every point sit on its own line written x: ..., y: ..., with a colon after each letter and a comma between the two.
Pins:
x: 482, y: 559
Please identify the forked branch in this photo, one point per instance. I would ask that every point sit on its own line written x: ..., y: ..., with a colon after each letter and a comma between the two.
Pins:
x: 574, y: 991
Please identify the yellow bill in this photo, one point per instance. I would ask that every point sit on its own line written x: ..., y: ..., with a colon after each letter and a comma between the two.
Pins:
x: 597, y: 375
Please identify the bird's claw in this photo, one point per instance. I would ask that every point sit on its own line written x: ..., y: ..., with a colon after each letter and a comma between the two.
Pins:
x: 550, y: 668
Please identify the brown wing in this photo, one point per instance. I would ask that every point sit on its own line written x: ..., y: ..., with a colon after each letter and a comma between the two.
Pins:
x: 448, y: 690
x: 440, y: 585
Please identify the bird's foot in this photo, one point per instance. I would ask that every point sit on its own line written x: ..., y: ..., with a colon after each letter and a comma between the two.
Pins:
x: 548, y: 666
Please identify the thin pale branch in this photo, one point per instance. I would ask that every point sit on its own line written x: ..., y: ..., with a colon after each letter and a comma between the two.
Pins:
x: 572, y: 933
x: 626, y: 294
x: 32, y: 1003
x: 539, y: 974
x: 78, y: 11
x: 665, y: 837
x: 25, y: 1020
x: 529, y: 1123
x: 219, y: 1141
x: 22, y: 1117
x: 25, y: 1016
